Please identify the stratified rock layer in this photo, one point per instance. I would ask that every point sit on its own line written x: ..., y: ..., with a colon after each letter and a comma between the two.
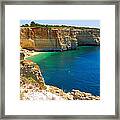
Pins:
x: 57, y: 39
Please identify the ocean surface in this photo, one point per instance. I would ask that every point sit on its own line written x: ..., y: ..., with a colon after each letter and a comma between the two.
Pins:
x: 74, y: 69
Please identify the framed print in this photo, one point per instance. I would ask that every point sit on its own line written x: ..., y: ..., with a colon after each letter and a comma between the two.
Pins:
x: 59, y: 59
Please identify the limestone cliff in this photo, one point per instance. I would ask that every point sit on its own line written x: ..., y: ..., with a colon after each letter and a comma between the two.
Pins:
x: 88, y: 37
x: 30, y: 70
x: 57, y: 39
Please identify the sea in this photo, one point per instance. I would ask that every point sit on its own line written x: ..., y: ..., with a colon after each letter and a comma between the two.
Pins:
x: 74, y: 69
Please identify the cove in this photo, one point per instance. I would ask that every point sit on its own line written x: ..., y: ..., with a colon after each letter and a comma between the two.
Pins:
x: 74, y: 69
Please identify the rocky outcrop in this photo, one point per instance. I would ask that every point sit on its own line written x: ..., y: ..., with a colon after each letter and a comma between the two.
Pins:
x: 89, y: 37
x: 33, y: 87
x: 32, y: 84
x: 27, y: 43
x: 31, y: 90
x: 57, y: 39
x: 31, y: 71
x: 78, y: 95
x: 59, y: 92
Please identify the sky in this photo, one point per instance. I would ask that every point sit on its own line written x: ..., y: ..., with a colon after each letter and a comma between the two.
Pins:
x: 81, y: 23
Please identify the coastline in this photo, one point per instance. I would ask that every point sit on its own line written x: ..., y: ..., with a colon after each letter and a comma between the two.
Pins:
x: 38, y: 38
x: 29, y: 53
x: 33, y: 87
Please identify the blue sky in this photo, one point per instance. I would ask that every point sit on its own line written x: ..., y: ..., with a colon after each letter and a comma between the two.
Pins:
x: 84, y: 23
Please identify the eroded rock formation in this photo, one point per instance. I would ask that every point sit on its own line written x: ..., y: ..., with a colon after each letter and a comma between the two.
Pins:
x: 30, y: 70
x: 55, y: 39
x: 88, y: 37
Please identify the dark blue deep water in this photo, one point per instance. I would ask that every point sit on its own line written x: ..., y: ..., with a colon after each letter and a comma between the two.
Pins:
x: 75, y: 69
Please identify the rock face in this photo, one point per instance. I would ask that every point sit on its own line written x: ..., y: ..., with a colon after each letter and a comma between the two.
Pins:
x: 57, y: 39
x: 22, y: 55
x: 27, y: 43
x: 59, y: 92
x: 30, y: 90
x: 78, y: 95
x: 31, y: 71
x: 88, y: 37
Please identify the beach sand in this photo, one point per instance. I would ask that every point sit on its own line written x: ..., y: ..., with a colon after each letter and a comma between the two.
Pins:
x: 29, y: 53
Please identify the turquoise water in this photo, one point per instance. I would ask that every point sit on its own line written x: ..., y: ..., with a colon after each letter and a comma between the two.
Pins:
x: 76, y: 69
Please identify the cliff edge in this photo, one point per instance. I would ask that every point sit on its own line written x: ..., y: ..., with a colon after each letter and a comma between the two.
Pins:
x: 57, y: 38
x: 33, y: 87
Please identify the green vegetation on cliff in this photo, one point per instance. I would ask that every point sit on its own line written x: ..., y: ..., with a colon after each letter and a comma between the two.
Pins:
x: 33, y: 24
